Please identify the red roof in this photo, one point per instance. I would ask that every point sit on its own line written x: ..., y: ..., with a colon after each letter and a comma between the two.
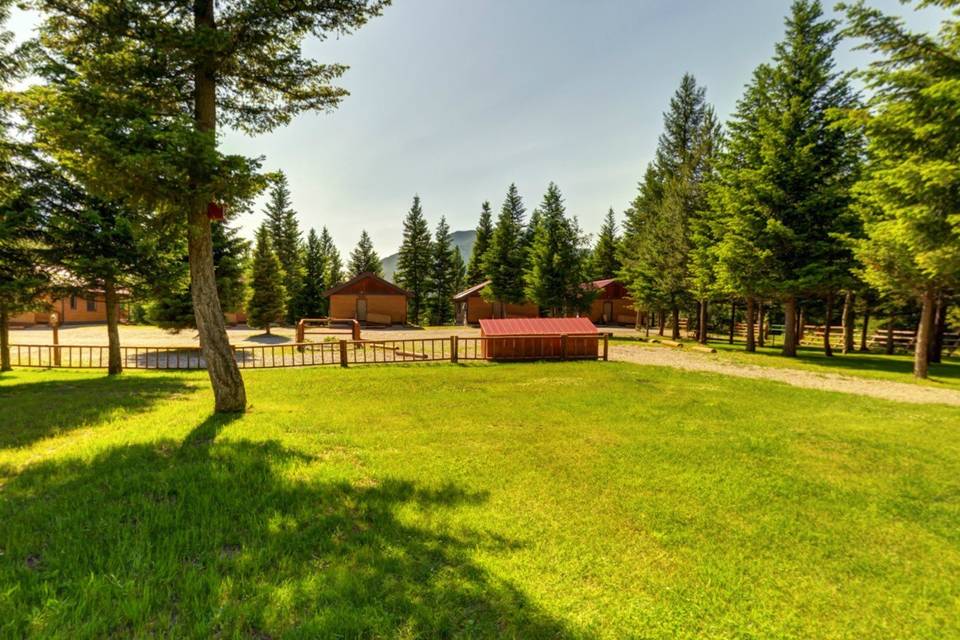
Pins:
x: 535, y: 326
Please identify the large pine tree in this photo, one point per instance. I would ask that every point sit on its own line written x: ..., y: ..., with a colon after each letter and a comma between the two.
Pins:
x: 287, y: 242
x: 505, y: 259
x: 443, y: 275
x: 334, y: 273
x: 364, y: 259
x: 266, y: 302
x: 134, y: 93
x: 314, y: 305
x: 802, y: 186
x: 657, y: 246
x: 910, y: 194
x: 555, y: 274
x: 414, y: 263
x: 475, y: 270
x: 605, y: 261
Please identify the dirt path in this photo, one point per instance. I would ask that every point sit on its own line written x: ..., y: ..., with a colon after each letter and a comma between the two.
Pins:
x: 884, y: 389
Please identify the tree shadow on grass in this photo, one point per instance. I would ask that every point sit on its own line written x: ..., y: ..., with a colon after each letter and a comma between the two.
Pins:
x: 949, y: 370
x: 209, y: 539
x: 32, y: 411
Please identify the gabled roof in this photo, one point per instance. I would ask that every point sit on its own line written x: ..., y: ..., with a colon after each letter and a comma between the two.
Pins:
x: 466, y: 293
x: 535, y: 326
x: 367, y: 276
x: 601, y: 284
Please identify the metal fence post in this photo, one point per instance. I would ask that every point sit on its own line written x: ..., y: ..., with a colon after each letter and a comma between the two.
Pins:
x: 343, y: 353
x: 454, y: 346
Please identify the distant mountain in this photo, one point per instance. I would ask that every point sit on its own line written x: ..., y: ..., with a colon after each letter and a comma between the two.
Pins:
x: 462, y: 239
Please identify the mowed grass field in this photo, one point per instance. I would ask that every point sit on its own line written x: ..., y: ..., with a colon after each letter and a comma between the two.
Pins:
x: 563, y: 500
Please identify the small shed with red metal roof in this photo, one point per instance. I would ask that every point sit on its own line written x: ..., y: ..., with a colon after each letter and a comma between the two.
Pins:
x: 537, y: 338
x: 612, y: 304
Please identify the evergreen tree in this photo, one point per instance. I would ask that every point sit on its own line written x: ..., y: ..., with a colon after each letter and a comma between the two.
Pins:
x: 172, y: 306
x: 459, y: 271
x: 334, y: 273
x: 314, y: 305
x: 364, y: 258
x: 802, y: 187
x: 443, y: 275
x: 414, y: 263
x: 133, y: 95
x: 910, y: 194
x: 605, y: 262
x: 475, y: 270
x: 658, y: 245
x: 107, y: 247
x: 555, y: 275
x: 266, y: 302
x: 287, y: 243
x: 505, y: 260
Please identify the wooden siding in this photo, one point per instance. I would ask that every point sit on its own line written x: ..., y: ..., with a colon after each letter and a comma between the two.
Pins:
x: 344, y: 305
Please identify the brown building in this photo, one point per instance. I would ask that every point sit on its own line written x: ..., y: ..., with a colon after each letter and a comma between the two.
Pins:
x: 471, y: 307
x: 537, y: 338
x: 369, y: 299
x: 612, y: 304
x: 89, y: 306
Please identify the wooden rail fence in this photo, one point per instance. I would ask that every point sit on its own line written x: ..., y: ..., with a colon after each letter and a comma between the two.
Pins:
x: 342, y: 353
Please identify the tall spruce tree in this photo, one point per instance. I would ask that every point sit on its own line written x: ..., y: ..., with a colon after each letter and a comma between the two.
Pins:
x: 910, y: 194
x: 314, y: 305
x: 443, y: 275
x: 605, y: 261
x: 364, y: 258
x: 657, y: 246
x: 803, y: 184
x: 287, y: 242
x: 334, y: 273
x: 475, y: 270
x: 414, y: 263
x: 459, y: 270
x: 106, y: 247
x: 505, y: 260
x: 172, y: 73
x: 555, y: 274
x: 266, y: 301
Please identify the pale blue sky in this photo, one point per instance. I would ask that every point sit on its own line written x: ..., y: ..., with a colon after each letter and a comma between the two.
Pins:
x: 455, y: 99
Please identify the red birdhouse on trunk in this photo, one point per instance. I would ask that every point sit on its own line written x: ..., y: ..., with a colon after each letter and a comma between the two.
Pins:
x: 214, y: 211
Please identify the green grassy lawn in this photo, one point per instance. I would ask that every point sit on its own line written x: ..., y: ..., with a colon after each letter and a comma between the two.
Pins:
x: 897, y: 368
x: 564, y: 500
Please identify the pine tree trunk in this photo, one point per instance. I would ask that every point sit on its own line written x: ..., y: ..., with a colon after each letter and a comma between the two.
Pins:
x: 801, y: 325
x: 789, y: 327
x: 751, y: 319
x: 848, y: 319
x: 114, y: 364
x: 733, y: 320
x: 675, y: 319
x: 922, y: 348
x: 661, y: 320
x: 827, y: 326
x: 704, y: 319
x: 4, y: 338
x: 939, y: 327
x: 865, y: 332
x: 889, y: 349
x: 267, y: 329
x: 761, y: 314
x: 228, y: 390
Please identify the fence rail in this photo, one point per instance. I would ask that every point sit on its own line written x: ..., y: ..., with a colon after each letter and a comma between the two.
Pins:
x: 342, y: 353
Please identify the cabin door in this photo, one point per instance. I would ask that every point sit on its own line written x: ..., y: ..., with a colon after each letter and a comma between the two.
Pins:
x: 607, y: 312
x: 362, y: 309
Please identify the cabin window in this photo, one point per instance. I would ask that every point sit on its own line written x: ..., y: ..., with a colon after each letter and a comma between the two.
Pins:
x: 73, y: 303
x: 91, y: 303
